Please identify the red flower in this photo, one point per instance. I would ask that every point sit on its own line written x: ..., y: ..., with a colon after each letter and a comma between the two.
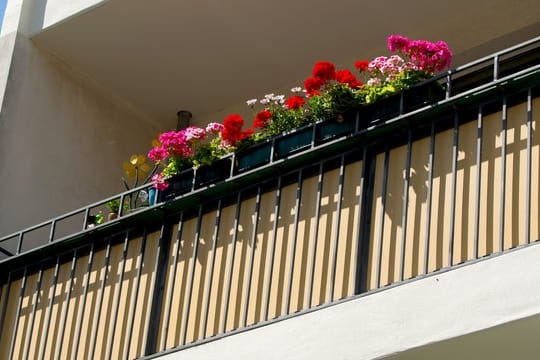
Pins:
x: 346, y: 77
x: 295, y: 102
x: 232, y: 131
x: 324, y: 71
x: 312, y: 85
x: 261, y: 119
x: 361, y: 65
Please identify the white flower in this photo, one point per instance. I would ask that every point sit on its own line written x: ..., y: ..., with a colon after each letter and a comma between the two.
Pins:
x: 265, y: 101
x: 251, y: 102
x: 269, y: 96
x: 296, y: 89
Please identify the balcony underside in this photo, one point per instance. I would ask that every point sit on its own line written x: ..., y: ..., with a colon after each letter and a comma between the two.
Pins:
x: 206, y: 56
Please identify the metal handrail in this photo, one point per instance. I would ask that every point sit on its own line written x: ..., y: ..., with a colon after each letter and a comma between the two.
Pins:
x: 449, y: 98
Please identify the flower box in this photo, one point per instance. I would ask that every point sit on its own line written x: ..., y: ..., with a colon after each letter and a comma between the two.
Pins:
x: 383, y: 109
x: 293, y: 142
x: 218, y: 171
x: 341, y: 125
x: 253, y: 156
x: 423, y: 94
x: 178, y: 185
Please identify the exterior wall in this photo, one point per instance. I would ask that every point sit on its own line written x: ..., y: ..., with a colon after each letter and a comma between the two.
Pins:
x: 62, y: 138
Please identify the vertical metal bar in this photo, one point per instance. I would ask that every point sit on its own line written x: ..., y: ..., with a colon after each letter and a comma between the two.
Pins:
x: 405, y: 210
x: 134, y: 299
x: 381, y: 217
x: 168, y: 296
x: 17, y: 315
x: 503, y: 173
x: 53, y: 228
x: 62, y: 327
x: 429, y: 196
x: 187, y: 303
x: 336, y: 229
x: 315, y: 236
x: 157, y: 283
x: 49, y: 310
x: 82, y: 309
x: 362, y: 239
x: 211, y: 272
x: 231, y: 266
x: 480, y: 127
x: 529, y: 174
x: 117, y: 295
x: 35, y: 300
x: 97, y: 316
x: 292, y: 250
x: 252, y: 256
x: 448, y: 84
x: 85, y: 219
x: 274, y: 237
x: 19, y: 242
x: 454, y: 185
x: 5, y: 303
x: 495, y: 67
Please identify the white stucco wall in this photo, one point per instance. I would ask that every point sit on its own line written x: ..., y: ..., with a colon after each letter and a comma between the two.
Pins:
x: 461, y: 301
x: 62, y: 140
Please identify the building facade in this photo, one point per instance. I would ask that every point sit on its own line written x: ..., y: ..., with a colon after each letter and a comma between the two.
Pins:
x: 414, y: 236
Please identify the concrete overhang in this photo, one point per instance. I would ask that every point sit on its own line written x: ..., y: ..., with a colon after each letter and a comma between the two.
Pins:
x: 206, y: 55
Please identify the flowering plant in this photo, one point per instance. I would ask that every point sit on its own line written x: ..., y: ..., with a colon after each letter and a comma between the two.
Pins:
x: 175, y: 151
x: 419, y: 60
x: 326, y: 93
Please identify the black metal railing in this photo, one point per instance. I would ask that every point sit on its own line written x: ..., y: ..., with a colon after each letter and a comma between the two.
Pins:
x: 471, y: 82
x: 159, y: 237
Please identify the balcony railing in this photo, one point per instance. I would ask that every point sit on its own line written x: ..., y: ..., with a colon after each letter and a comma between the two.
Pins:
x: 405, y: 195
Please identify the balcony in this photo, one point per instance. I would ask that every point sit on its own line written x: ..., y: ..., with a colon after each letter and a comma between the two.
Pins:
x: 406, y: 196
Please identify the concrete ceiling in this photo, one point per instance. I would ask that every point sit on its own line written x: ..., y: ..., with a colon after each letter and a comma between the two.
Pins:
x: 205, y: 55
x: 517, y: 340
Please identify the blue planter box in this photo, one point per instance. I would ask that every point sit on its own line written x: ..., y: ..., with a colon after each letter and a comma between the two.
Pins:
x: 341, y: 125
x: 423, y: 94
x: 293, y: 142
x: 178, y: 185
x: 218, y: 171
x: 254, y: 156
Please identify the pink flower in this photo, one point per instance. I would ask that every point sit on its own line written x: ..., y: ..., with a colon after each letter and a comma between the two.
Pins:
x: 214, y: 128
x: 159, y: 182
x: 158, y: 153
x: 194, y: 133
x: 398, y: 43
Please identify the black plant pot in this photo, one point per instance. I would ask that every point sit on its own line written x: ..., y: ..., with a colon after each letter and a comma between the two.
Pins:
x: 209, y: 174
x: 178, y: 185
x: 293, y: 142
x: 253, y: 156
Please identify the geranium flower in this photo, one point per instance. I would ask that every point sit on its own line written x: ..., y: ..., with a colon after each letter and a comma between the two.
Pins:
x: 361, y: 65
x: 214, y: 128
x: 261, y: 119
x: 312, y: 85
x: 159, y: 182
x: 324, y: 71
x: 158, y: 153
x: 346, y: 77
x: 295, y: 102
